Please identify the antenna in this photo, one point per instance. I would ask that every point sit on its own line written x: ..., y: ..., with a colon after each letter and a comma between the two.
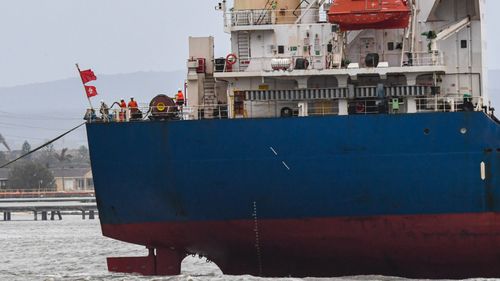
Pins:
x: 221, y: 6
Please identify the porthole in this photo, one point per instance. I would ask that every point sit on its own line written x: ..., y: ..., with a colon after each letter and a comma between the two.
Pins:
x: 463, y: 131
x: 427, y: 131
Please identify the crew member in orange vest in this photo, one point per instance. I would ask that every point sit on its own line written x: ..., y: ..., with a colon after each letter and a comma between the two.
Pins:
x: 123, y: 104
x: 134, y: 108
x: 179, y: 98
x: 123, y: 110
x: 132, y: 105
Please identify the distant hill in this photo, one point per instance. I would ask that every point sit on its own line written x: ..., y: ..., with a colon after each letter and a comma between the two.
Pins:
x: 37, y: 112
x: 67, y: 94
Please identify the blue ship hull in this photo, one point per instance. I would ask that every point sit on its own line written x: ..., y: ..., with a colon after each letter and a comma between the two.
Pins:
x: 403, y: 182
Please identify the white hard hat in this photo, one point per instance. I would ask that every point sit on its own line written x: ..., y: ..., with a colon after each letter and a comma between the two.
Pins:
x: 180, y: 90
x: 132, y: 98
x: 102, y: 101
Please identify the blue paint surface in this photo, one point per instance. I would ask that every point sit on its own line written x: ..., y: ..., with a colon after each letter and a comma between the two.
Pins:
x: 213, y: 170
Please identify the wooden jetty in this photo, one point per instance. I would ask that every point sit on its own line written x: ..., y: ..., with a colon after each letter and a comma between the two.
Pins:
x: 46, y: 206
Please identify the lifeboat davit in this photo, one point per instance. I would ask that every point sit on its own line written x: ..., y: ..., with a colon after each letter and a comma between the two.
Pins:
x: 369, y: 14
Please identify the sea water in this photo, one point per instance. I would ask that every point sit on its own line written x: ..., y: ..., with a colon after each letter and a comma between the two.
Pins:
x: 74, y: 249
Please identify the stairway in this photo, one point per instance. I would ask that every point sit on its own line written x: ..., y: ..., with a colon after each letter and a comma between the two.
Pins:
x: 209, y: 100
x: 243, y: 50
x: 352, y: 35
x: 209, y: 95
x: 299, y: 7
x: 265, y: 14
x: 316, y: 4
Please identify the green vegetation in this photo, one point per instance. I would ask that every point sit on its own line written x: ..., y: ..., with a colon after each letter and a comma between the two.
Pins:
x: 32, y: 176
x: 26, y: 147
x: 3, y: 158
x: 34, y: 172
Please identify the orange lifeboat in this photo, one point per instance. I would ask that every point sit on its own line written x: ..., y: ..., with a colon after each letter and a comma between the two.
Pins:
x: 369, y: 14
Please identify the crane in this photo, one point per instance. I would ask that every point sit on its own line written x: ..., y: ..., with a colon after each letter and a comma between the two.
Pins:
x: 4, y: 142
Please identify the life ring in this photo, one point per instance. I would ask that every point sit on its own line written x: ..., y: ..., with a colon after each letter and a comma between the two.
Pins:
x: 231, y: 59
x: 160, y: 106
x: 360, y: 107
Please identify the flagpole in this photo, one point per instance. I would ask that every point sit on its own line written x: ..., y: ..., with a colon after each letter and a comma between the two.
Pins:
x: 83, y: 83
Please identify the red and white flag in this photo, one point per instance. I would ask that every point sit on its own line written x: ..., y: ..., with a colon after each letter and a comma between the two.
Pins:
x: 87, y: 76
x: 91, y: 91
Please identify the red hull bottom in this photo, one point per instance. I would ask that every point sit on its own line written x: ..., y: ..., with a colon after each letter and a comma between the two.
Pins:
x: 431, y: 246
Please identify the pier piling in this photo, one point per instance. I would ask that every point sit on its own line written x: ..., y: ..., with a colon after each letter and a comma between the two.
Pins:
x: 53, y: 215
x: 7, y: 216
x: 48, y: 206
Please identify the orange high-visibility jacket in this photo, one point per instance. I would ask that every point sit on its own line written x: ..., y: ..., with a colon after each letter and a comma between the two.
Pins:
x: 179, y: 96
x: 132, y: 104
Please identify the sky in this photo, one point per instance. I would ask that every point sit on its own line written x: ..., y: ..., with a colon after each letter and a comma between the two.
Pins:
x: 41, y: 40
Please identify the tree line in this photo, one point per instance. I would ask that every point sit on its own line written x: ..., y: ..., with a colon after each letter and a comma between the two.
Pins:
x: 33, y: 172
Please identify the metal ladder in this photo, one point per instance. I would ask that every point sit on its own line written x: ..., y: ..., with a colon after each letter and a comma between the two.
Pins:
x: 209, y: 94
x: 209, y: 97
x: 310, y: 4
x: 299, y: 7
x: 243, y: 50
x: 267, y: 8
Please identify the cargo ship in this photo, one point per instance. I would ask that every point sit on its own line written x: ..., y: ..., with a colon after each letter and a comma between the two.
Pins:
x: 337, y: 138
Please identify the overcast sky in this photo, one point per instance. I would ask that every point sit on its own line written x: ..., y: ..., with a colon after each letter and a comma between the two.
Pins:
x: 42, y: 39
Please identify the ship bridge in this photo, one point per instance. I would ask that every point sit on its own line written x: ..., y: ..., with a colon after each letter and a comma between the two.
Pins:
x: 307, y: 58
x: 405, y: 48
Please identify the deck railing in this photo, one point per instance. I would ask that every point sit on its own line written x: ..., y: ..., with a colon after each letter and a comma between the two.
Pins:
x: 274, y: 109
x: 450, y: 103
x: 146, y: 112
x: 424, y: 59
x: 322, y: 62
x: 253, y: 17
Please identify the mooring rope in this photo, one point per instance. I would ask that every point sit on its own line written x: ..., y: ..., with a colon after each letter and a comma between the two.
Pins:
x: 42, y: 146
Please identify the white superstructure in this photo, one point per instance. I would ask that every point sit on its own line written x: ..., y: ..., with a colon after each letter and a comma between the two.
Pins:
x: 287, y: 59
